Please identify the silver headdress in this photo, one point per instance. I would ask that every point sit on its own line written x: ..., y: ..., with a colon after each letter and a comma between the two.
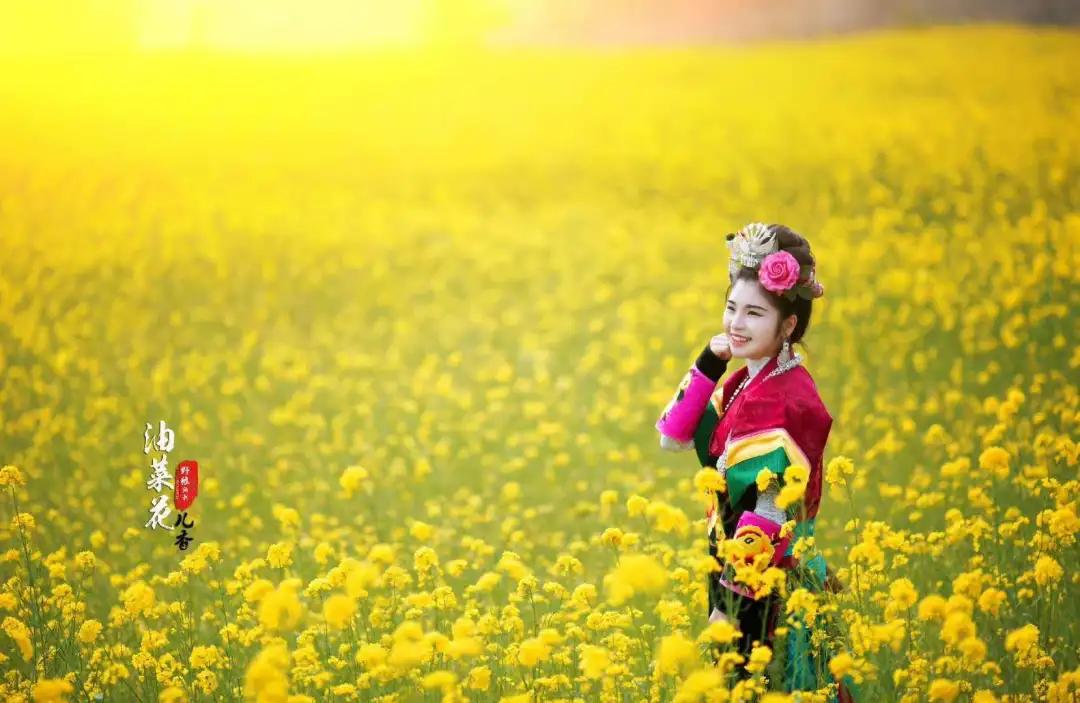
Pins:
x: 750, y: 245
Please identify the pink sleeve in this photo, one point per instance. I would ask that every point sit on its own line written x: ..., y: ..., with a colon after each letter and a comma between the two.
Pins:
x: 682, y: 415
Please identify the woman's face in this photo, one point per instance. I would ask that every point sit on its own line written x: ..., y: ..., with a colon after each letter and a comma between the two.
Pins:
x: 751, y: 321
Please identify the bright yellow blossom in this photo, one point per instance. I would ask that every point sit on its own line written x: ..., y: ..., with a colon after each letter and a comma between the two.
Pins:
x: 944, y: 690
x: 11, y: 476
x: 338, y: 610
x: 51, y: 691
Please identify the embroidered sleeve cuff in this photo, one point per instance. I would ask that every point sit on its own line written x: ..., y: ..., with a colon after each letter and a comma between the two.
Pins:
x: 759, y: 535
x: 710, y: 364
x: 673, y: 445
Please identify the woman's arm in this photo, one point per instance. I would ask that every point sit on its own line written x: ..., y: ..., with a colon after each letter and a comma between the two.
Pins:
x: 680, y: 418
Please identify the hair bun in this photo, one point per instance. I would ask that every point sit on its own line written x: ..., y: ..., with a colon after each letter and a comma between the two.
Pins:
x: 793, y: 243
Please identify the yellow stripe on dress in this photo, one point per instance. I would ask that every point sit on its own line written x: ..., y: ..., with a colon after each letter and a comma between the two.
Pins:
x: 759, y: 443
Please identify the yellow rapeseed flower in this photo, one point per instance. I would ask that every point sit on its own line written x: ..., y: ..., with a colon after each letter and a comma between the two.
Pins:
x: 532, y: 651
x: 841, y: 664
x: 991, y: 599
x: 442, y: 680
x: 88, y: 631
x: 280, y: 609
x: 425, y: 560
x: 11, y: 476
x: 974, y: 650
x: 797, y: 473
x: 676, y: 655
x: 760, y: 656
x: 478, y: 678
x: 206, y: 681
x: 339, y: 610
x: 51, y: 691
x: 23, y: 522
x: 719, y: 632
x: 266, y: 678
x: 85, y: 561
x: 288, y: 518
x: 487, y: 581
x: 945, y: 690
x: 371, y: 655
x: 635, y: 573
x: 360, y: 578
x: 932, y: 607
x: 205, y: 656
x: 593, y: 660
x: 995, y: 461
x: 611, y: 537
x: 838, y: 471
x: 257, y: 589
x: 700, y: 685
x: 709, y: 479
x: 1023, y: 639
x: 173, y: 694
x: 381, y: 554
x: 1048, y: 571
x: 193, y: 563
x: 790, y: 494
x: 957, y: 627
x: 323, y: 553
x: 279, y: 555
x: 138, y: 598
x: 636, y: 505
x: 421, y: 531
x: 902, y: 592
x: 352, y: 479
x: 803, y: 603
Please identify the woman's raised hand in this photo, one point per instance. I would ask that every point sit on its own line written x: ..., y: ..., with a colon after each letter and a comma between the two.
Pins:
x: 720, y: 346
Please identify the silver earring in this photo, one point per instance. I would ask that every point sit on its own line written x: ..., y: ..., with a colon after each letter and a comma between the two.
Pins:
x: 783, y: 359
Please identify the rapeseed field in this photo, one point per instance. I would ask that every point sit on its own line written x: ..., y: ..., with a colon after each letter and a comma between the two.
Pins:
x: 415, y: 314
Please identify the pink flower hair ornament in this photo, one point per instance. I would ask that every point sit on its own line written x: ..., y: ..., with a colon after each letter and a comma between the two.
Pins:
x: 779, y: 272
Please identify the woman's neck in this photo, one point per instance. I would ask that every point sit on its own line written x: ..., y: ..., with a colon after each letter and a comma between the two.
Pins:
x: 755, y: 365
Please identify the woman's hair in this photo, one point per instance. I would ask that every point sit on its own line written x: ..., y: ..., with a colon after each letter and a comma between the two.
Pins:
x: 796, y: 245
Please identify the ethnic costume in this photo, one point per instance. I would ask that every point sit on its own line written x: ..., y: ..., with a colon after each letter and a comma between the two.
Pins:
x: 776, y: 421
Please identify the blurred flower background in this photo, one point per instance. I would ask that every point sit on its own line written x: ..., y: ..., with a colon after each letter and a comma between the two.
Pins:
x: 412, y: 284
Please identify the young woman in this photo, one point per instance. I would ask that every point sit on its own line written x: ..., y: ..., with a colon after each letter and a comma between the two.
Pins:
x: 766, y: 415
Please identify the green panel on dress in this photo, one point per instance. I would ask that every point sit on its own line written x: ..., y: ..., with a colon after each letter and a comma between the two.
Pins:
x: 744, y: 474
x: 703, y: 434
